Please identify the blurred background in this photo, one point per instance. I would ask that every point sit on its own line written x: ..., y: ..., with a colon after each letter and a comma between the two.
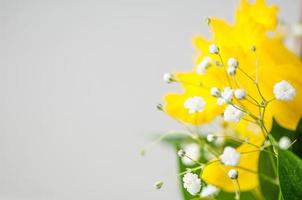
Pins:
x: 79, y: 81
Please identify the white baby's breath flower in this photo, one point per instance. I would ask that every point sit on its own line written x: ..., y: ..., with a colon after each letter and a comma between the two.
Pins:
x: 233, y: 174
x: 209, y: 191
x: 232, y: 114
x: 204, y: 65
x: 284, y: 91
x: 168, y: 77
x: 284, y: 143
x: 230, y: 157
x: 195, y: 104
x: 231, y: 71
x: 213, y: 48
x: 226, y: 96
x: 215, y: 92
x: 240, y: 94
x: 192, y: 183
x: 233, y: 62
x: 192, y: 151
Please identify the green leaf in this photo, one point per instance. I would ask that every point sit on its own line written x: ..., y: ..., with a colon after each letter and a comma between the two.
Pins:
x: 290, y: 175
x: 297, y: 147
x: 175, y: 138
x: 268, y: 189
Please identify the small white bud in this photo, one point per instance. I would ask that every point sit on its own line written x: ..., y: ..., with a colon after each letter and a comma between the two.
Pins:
x: 168, y: 77
x: 240, y: 94
x: 158, y: 185
x: 211, y: 138
x: 284, y: 143
x: 233, y: 62
x: 215, y: 92
x: 231, y: 71
x: 284, y: 91
x: 181, y: 153
x: 213, y: 48
x: 233, y: 174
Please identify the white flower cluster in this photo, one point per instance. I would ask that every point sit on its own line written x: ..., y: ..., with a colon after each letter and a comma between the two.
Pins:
x: 233, y: 114
x: 230, y: 156
x: 195, y: 104
x: 209, y: 191
x: 225, y: 96
x: 284, y: 91
x: 192, y: 183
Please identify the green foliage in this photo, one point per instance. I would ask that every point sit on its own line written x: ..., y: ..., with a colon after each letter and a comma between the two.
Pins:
x: 290, y: 175
x: 269, y: 190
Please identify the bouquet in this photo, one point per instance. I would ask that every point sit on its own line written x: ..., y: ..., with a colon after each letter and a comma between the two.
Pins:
x: 240, y: 110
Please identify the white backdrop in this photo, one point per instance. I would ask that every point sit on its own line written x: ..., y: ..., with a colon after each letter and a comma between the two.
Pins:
x: 78, y: 84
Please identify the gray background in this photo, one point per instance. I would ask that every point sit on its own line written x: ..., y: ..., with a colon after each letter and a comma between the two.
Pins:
x: 78, y: 85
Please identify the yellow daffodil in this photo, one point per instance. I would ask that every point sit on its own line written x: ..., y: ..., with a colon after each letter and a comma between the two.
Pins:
x: 263, y: 61
x: 275, y: 62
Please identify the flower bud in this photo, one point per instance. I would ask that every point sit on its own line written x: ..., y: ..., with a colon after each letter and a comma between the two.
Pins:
x: 158, y: 185
x: 240, y: 94
x: 211, y: 138
x: 233, y: 174
x: 233, y: 62
x: 168, y: 77
x: 181, y: 153
x: 213, y: 48
x: 231, y: 71
x: 215, y: 92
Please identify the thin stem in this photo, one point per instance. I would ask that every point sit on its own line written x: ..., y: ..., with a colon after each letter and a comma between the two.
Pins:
x: 228, y: 78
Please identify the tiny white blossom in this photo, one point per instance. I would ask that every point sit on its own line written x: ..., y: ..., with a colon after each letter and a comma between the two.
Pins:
x: 204, y: 65
x: 192, y: 183
x: 233, y: 174
x: 226, y: 96
x: 232, y: 114
x: 195, y: 104
x: 284, y: 143
x: 231, y: 71
x: 215, y: 92
x: 209, y: 191
x: 230, y: 156
x: 192, y: 151
x: 240, y: 94
x: 213, y: 48
x: 233, y: 62
x: 168, y: 77
x: 211, y: 138
x: 284, y: 91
